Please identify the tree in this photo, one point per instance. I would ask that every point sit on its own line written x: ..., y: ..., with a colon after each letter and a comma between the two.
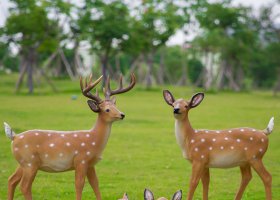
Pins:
x: 29, y: 28
x: 105, y: 26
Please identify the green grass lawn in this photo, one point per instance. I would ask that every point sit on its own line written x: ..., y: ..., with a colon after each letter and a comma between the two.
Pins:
x: 142, y: 151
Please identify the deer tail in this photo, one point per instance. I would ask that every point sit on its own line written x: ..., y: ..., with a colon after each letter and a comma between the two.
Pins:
x: 270, y: 126
x: 9, y: 131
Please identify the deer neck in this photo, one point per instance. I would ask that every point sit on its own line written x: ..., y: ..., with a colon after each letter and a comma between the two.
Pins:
x: 101, y: 130
x: 183, y: 131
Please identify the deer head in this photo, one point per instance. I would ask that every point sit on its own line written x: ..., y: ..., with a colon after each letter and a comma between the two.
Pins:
x: 106, y: 108
x: 148, y: 195
x: 181, y: 106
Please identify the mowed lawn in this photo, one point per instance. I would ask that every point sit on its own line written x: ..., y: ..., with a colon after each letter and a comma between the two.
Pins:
x: 142, y: 151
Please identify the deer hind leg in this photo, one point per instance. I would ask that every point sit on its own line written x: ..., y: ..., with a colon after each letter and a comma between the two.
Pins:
x: 265, y: 176
x: 93, y: 181
x: 27, y: 179
x: 14, y: 180
x: 205, y: 179
x: 80, y: 174
x: 197, y: 171
x: 246, y: 176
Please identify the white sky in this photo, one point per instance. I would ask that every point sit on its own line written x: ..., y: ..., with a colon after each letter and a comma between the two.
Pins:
x: 179, y: 37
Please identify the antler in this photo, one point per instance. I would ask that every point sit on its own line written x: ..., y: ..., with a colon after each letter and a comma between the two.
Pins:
x: 89, y: 86
x: 107, y: 89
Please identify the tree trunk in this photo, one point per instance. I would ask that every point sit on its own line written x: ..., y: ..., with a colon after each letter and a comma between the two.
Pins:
x: 30, y: 77
x: 161, y: 69
x: 104, y: 64
x: 67, y: 65
x: 150, y: 60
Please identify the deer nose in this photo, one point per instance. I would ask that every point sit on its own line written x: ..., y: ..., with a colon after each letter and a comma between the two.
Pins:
x: 122, y: 115
x: 176, y: 110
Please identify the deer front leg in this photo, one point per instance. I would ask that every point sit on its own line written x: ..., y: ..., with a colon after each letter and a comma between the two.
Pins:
x: 205, y: 179
x: 197, y: 170
x: 265, y: 176
x: 28, y: 176
x: 80, y: 174
x: 13, y: 182
x: 245, y: 179
x: 93, y: 181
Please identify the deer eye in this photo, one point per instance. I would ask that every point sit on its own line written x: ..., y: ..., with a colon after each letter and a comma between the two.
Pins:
x: 107, y: 110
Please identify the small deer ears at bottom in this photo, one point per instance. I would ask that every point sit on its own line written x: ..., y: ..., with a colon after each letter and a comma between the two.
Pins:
x: 125, y: 197
x: 177, y: 195
x: 93, y: 106
x: 168, y: 97
x: 196, y: 99
x: 148, y: 195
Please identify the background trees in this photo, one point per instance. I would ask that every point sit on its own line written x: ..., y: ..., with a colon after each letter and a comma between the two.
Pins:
x: 233, y: 47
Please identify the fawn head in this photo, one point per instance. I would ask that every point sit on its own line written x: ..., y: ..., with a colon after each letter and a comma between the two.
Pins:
x: 107, y: 108
x: 181, y: 106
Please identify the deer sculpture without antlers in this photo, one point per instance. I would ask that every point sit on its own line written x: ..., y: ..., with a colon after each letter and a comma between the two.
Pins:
x: 59, y: 151
x: 243, y: 147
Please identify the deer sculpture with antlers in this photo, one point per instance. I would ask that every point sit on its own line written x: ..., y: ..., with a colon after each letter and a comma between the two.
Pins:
x: 243, y: 147
x: 59, y: 151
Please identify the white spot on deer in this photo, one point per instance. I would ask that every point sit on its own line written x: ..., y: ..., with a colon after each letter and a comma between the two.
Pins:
x: 61, y: 154
x: 16, y: 149
x: 32, y: 156
x: 262, y: 140
x: 217, y: 131
x: 251, y: 138
x: 206, y: 131
x: 230, y: 131
x: 83, y: 144
x: 29, y: 164
x: 196, y: 131
x: 253, y: 130
x: 62, y: 135
x: 245, y: 148
x: 22, y: 136
x: 260, y: 150
x: 192, y: 141
x: 210, y: 148
x: 196, y: 149
x: 226, y: 138
x: 202, y: 140
x: 68, y: 144
x: 83, y: 162
x: 93, y: 143
x: 51, y: 145
x: 202, y: 156
x: 75, y: 135
x: 46, y: 155
x: 214, y: 140
x: 231, y: 147
x: 242, y: 130
x: 222, y: 147
x: 76, y: 152
x: 37, y: 145
x: 238, y: 140
x: 49, y: 134
x: 36, y: 134
x: 88, y: 153
x: 26, y: 146
x: 87, y: 135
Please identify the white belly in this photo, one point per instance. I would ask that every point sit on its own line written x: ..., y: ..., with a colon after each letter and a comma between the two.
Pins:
x: 58, y: 165
x: 225, y: 160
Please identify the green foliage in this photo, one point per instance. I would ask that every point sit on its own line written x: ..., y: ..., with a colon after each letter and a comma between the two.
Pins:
x: 142, y: 151
x: 195, y: 68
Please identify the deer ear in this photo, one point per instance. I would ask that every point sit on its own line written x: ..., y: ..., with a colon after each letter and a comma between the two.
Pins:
x: 168, y: 97
x: 125, y: 196
x: 148, y: 195
x: 114, y: 100
x: 93, y: 106
x: 196, y: 99
x: 177, y: 195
